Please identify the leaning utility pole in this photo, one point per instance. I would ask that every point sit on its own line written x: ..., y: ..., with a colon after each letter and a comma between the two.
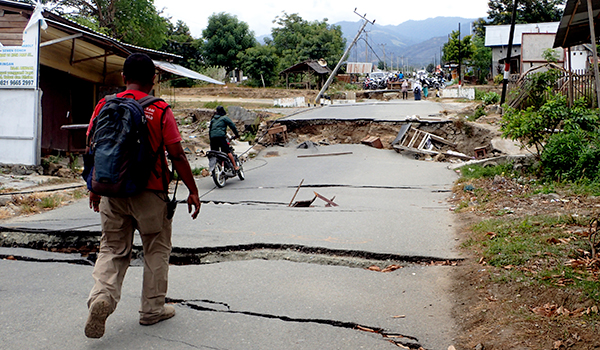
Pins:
x: 507, y: 62
x: 337, y: 67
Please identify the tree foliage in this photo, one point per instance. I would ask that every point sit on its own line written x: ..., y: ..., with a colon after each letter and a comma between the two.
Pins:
x: 180, y: 42
x: 481, y: 59
x: 528, y: 11
x: 456, y: 47
x: 225, y: 37
x: 136, y: 22
x: 260, y: 63
x: 297, y: 40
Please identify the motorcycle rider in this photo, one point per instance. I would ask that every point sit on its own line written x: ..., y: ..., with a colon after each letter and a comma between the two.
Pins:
x: 218, y: 134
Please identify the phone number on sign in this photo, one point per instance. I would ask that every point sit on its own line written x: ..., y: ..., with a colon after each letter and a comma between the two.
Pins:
x: 17, y: 82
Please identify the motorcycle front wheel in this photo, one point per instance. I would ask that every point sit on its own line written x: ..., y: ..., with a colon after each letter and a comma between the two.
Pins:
x: 218, y: 175
x: 241, y: 174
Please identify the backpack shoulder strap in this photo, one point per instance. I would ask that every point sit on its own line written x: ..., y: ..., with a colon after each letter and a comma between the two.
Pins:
x: 148, y: 100
x: 109, y: 97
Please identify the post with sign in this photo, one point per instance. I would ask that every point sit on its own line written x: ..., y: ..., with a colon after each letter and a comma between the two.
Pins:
x: 20, y: 111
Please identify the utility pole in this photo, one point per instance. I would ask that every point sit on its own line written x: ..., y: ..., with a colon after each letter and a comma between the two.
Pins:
x: 384, y: 59
x: 366, y: 45
x: 459, y: 58
x: 339, y: 64
x: 507, y: 62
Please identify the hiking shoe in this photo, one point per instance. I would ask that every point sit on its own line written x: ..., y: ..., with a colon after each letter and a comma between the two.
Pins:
x: 99, y: 311
x: 168, y: 312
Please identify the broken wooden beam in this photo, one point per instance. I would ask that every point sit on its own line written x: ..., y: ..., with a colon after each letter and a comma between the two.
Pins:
x: 323, y: 154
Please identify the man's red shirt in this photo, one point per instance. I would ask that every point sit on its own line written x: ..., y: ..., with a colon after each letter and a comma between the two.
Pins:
x: 169, y: 135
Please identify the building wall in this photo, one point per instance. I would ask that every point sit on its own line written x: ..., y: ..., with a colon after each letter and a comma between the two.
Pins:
x: 499, y: 54
x: 533, y: 47
x: 12, y: 25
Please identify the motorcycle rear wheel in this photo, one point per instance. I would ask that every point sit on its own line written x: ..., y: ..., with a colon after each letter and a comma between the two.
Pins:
x: 218, y: 175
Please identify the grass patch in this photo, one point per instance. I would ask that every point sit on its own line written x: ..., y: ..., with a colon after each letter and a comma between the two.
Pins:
x: 478, y: 171
x: 544, y: 250
x: 50, y: 202
x: 197, y: 171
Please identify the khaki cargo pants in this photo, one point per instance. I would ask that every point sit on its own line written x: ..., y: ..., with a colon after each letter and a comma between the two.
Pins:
x: 147, y: 213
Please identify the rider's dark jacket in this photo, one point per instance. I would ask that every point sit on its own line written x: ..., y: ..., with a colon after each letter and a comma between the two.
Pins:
x: 218, y: 126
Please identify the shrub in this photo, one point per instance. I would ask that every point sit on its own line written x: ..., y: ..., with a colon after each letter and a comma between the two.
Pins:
x: 491, y: 98
x: 498, y: 79
x: 572, y: 156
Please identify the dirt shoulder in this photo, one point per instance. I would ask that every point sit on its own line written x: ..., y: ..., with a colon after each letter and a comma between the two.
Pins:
x: 525, y: 305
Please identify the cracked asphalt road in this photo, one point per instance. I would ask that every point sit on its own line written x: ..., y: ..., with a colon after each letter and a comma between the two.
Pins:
x: 389, y: 205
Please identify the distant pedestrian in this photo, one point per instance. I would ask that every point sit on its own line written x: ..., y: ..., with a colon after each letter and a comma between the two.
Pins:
x: 425, y: 91
x: 417, y: 91
x: 405, y: 89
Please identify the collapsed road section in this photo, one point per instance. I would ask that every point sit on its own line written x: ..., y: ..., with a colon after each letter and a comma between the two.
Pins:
x: 454, y: 139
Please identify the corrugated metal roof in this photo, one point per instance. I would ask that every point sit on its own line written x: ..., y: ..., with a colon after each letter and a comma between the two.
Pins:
x: 574, y: 28
x: 498, y: 35
x: 303, y: 67
x: 184, y: 72
x: 74, y: 27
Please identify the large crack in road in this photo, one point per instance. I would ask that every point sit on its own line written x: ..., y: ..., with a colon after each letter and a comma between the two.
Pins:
x: 401, y: 340
x: 64, y: 243
x: 85, y: 243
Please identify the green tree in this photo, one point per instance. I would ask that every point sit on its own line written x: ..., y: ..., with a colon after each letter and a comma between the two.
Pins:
x: 479, y: 27
x: 135, y: 22
x: 528, y: 11
x: 297, y: 40
x: 225, y: 37
x: 260, y: 63
x: 180, y: 42
x: 481, y: 60
x: 455, y: 47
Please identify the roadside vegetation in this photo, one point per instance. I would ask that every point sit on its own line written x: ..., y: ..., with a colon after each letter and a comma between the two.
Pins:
x: 533, y: 233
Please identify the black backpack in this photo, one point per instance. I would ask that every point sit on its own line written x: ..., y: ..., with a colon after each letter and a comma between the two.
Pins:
x: 120, y: 158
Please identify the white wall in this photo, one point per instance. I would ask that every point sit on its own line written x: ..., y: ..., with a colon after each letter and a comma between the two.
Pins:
x: 20, y: 126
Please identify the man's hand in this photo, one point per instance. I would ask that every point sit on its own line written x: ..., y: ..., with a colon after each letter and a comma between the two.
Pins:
x: 95, y: 201
x: 193, y: 202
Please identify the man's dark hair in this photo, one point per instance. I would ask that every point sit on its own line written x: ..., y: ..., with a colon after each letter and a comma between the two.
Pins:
x: 221, y: 110
x: 139, y: 68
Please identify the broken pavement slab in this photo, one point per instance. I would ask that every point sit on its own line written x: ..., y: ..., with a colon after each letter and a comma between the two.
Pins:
x: 263, y: 304
x: 394, y: 207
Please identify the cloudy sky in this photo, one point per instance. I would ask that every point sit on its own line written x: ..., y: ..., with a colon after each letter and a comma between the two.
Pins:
x: 259, y: 14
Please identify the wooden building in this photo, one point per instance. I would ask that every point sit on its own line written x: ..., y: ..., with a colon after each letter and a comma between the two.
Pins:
x: 77, y: 67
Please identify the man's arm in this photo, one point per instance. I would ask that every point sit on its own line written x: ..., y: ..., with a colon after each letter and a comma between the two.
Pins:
x: 233, y: 128
x: 181, y: 165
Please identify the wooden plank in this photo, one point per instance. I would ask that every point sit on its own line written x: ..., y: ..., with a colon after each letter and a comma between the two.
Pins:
x: 328, y: 201
x: 403, y: 130
x: 11, y: 36
x: 12, y: 42
x: 12, y: 30
x: 13, y: 25
x: 11, y: 17
x: 442, y: 140
x: 323, y: 154
x: 399, y: 148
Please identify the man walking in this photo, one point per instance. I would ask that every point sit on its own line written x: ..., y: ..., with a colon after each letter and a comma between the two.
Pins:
x: 146, y: 212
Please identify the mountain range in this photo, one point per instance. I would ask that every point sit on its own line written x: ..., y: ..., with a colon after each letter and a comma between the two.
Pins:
x: 411, y: 43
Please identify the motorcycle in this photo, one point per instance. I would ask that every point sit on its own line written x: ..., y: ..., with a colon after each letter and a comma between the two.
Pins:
x: 220, y: 166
